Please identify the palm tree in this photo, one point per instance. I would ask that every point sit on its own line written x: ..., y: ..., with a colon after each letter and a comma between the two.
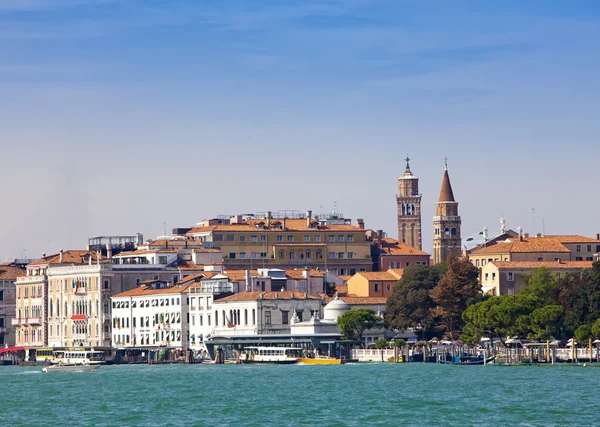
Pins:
x: 380, y: 344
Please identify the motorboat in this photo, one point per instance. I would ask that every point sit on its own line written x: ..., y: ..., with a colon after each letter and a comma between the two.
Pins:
x: 70, y: 368
x: 321, y: 360
x: 277, y: 355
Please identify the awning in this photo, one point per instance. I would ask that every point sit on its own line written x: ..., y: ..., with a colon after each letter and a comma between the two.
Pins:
x: 11, y: 349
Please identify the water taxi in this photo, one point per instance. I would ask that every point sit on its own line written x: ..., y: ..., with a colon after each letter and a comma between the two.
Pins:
x: 281, y: 355
x: 77, y: 357
x: 70, y: 368
x: 321, y: 360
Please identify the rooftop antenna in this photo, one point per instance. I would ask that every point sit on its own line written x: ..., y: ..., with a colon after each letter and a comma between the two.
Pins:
x: 334, y: 207
x: 533, y: 214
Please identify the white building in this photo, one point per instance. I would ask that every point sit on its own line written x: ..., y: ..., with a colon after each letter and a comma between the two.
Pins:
x: 152, y: 315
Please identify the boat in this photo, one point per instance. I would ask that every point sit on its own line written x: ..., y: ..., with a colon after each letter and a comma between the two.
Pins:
x: 78, y: 357
x: 321, y: 360
x: 277, y: 355
x: 469, y: 361
x: 70, y: 368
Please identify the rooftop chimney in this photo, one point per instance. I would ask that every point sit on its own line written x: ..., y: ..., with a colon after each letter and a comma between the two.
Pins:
x: 284, y: 224
x: 108, y: 251
x: 60, y: 256
x: 361, y: 223
x: 248, y: 281
x: 598, y: 236
x: 308, y: 218
x: 268, y: 219
x: 379, y: 236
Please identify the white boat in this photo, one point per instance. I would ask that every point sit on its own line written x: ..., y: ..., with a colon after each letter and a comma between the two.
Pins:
x: 77, y: 357
x: 70, y: 368
x: 280, y: 355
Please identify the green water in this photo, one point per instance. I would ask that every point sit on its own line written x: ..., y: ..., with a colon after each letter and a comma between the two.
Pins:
x: 353, y: 395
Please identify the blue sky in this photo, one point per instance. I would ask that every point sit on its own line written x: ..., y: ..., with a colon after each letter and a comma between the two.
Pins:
x: 120, y: 115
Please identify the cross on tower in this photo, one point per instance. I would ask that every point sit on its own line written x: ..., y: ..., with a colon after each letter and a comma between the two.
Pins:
x: 446, y: 162
x: 407, y: 163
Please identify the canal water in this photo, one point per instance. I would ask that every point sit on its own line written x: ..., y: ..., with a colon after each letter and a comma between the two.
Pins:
x: 292, y: 395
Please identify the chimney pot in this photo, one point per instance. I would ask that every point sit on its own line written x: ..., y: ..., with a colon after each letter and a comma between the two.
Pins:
x: 361, y: 223
x: 597, y: 236
x: 268, y: 219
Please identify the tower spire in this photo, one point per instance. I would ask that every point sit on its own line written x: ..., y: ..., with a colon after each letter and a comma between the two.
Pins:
x: 446, y: 193
x: 407, y: 163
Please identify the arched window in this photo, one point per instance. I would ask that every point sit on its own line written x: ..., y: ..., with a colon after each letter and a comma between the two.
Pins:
x: 216, y: 318
x: 66, y: 313
x: 403, y: 209
x: 224, y: 318
x: 106, y: 307
x: 446, y: 231
x: 246, y: 317
x: 239, y: 317
x: 319, y: 255
x: 403, y: 236
x: 453, y: 232
x: 51, y: 306
x: 254, y: 316
x: 281, y: 255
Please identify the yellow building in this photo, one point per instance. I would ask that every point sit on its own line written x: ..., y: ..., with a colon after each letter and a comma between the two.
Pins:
x: 287, y: 242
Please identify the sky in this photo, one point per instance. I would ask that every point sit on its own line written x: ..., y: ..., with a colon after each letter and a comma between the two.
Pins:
x: 118, y: 116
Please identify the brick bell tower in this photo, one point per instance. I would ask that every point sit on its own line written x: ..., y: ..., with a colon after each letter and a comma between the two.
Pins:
x: 446, y: 223
x: 408, y: 200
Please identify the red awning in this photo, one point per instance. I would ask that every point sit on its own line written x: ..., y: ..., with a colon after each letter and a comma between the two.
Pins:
x: 78, y: 317
x: 11, y: 349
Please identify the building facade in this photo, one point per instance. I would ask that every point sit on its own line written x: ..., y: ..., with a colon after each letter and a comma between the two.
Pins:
x: 286, y: 241
x: 408, y: 201
x: 446, y: 224
x: 9, y: 272
x: 390, y: 253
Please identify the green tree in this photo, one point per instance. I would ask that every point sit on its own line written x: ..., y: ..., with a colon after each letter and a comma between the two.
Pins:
x: 354, y: 323
x: 596, y: 329
x: 546, y: 321
x: 542, y: 284
x: 451, y: 295
x: 583, y: 333
x: 410, y: 305
x: 380, y: 344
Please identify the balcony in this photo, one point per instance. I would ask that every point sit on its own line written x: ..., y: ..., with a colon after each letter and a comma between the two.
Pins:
x: 34, y: 321
x: 18, y: 321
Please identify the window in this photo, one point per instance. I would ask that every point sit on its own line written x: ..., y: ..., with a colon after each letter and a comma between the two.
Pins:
x: 597, y: 248
x: 162, y: 259
x: 2, y: 298
x: 284, y: 317
x: 242, y: 238
x: 340, y: 255
x: 388, y: 287
x: 254, y: 238
x: 343, y: 271
x: 579, y: 258
x: 350, y: 238
x: 193, y: 319
x: 263, y: 238
x: 280, y: 238
x: 510, y: 277
x: 340, y: 238
x: 254, y: 255
x: 230, y: 237
x: 319, y: 255
x: 589, y: 258
x: 334, y: 271
x: 477, y: 262
x: 267, y: 317
x: 352, y: 271
x: 407, y: 263
x: 242, y: 255
x: 231, y: 255
x: 362, y: 269
x: 307, y: 238
x: 589, y: 248
x: 540, y: 259
x: 299, y: 315
x: 308, y: 255
x: 263, y: 254
x: 376, y: 287
x: 331, y: 255
x: 578, y: 248
x: 290, y: 238
x: 486, y: 276
x: 331, y: 238
x: 218, y: 237
x: 317, y: 239
x: 493, y: 276
x: 350, y: 255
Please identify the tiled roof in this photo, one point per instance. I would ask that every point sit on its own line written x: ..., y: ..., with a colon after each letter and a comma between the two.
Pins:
x: 354, y: 300
x: 552, y: 265
x: 299, y: 274
x: 528, y: 245
x: 10, y: 272
x: 345, y: 278
x: 396, y: 272
x: 342, y: 289
x: 239, y: 275
x: 146, y: 290
x: 187, y: 265
x: 69, y: 257
x: 446, y: 194
x: 291, y: 225
x: 391, y: 246
x: 571, y: 239
x: 377, y: 275
x: 255, y: 296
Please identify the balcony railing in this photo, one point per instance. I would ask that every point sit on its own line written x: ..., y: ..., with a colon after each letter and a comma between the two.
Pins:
x: 16, y: 321
x: 34, y: 321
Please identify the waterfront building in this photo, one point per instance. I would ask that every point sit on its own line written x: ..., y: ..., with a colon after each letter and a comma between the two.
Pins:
x: 390, y: 253
x: 31, y: 319
x: 408, y: 201
x: 9, y: 272
x: 446, y: 224
x: 79, y: 306
x: 258, y: 313
x: 286, y: 240
x: 508, y: 277
x: 538, y: 248
x: 152, y: 315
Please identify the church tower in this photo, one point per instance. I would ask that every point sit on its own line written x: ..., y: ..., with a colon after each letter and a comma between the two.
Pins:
x: 446, y: 224
x: 409, y: 209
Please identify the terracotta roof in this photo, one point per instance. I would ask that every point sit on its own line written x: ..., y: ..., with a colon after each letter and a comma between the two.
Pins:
x: 396, y: 272
x: 571, y: 239
x: 146, y: 290
x: 345, y: 278
x: 197, y: 278
x: 394, y: 247
x: 187, y: 265
x: 299, y: 274
x: 69, y: 257
x: 551, y: 265
x: 255, y: 296
x: 291, y: 225
x: 342, y: 289
x: 11, y: 273
x: 377, y: 275
x: 446, y: 194
x: 354, y: 300
x: 239, y: 275
x: 528, y: 245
